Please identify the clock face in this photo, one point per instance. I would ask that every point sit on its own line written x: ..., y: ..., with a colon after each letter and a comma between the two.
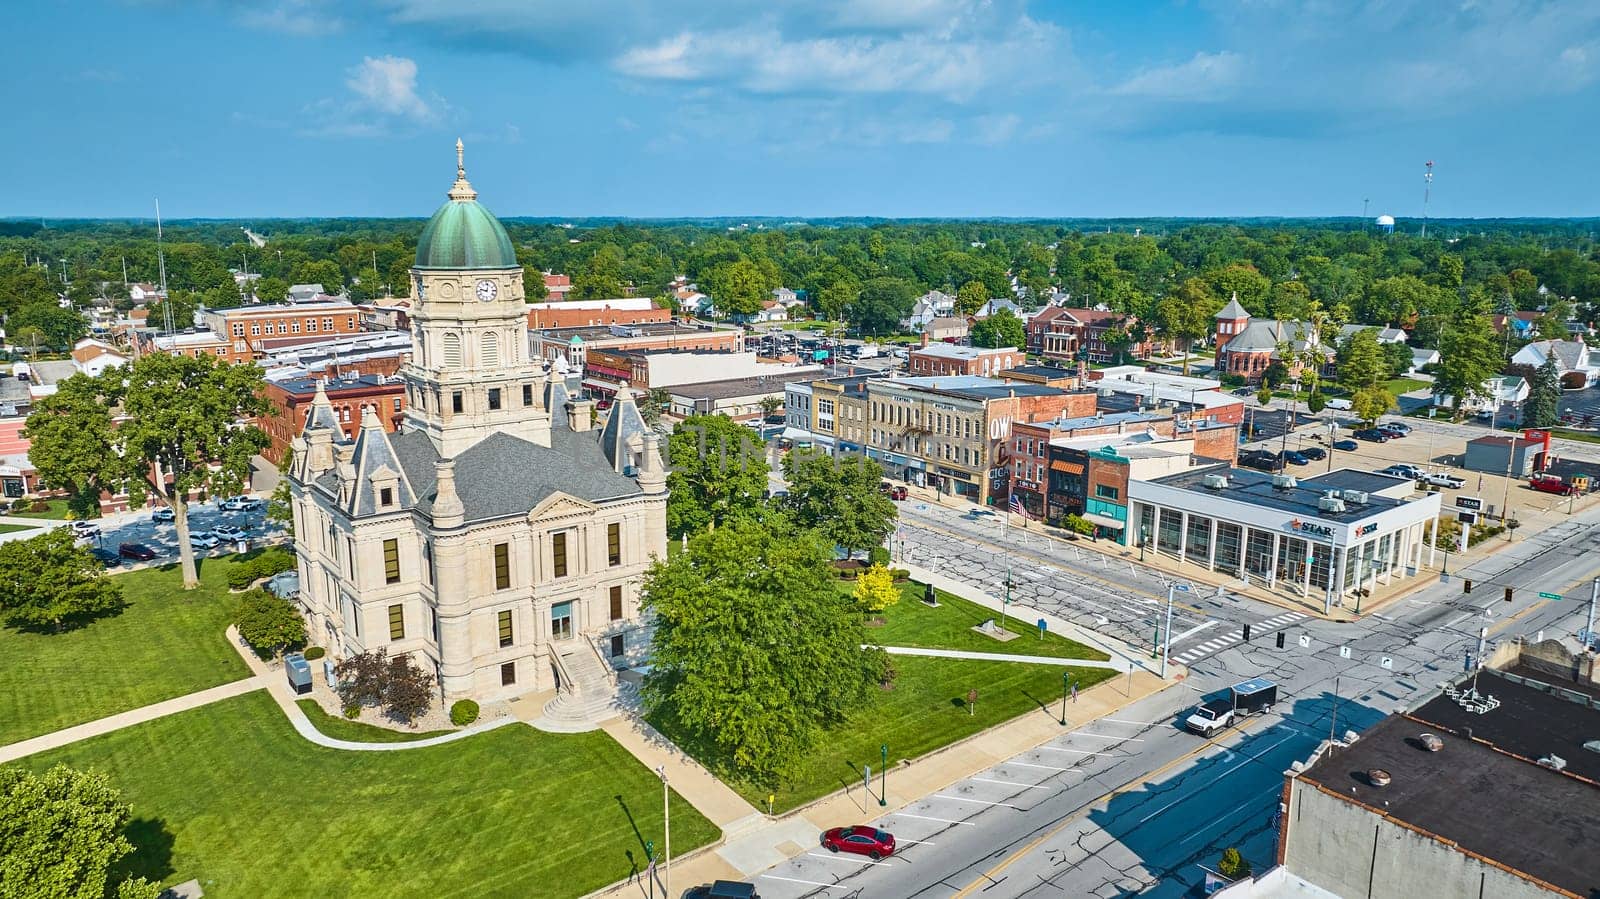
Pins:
x: 487, y: 290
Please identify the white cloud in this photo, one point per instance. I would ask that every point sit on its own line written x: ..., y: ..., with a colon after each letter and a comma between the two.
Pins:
x: 302, y: 18
x: 389, y: 85
x: 1205, y: 76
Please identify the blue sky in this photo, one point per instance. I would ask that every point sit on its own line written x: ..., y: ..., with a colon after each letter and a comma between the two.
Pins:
x: 803, y: 108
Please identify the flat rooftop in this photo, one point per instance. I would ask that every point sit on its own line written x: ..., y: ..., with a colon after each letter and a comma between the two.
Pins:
x: 1255, y: 487
x: 1474, y: 792
x: 644, y: 329
x: 1053, y: 372
x: 952, y: 351
x: 1099, y: 420
x: 736, y: 387
x: 307, y: 386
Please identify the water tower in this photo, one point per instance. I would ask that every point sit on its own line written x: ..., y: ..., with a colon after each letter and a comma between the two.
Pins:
x: 1385, y: 223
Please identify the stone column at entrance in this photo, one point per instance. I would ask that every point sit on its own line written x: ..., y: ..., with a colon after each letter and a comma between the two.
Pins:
x: 1183, y: 536
x: 1433, y: 546
x: 1211, y: 547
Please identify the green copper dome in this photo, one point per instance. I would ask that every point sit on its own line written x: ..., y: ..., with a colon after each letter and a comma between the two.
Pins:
x: 463, y: 234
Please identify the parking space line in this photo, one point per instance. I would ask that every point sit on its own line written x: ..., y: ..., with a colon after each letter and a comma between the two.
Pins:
x: 1031, y: 765
x: 815, y: 883
x: 1074, y: 751
x: 918, y: 842
x: 1009, y: 783
x: 1084, y: 733
x: 940, y: 820
x: 978, y: 801
x: 831, y: 856
x: 1126, y: 721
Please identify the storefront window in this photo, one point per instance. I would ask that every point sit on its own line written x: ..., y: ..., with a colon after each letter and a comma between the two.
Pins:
x: 1229, y: 537
x: 1168, y: 539
x: 1198, y: 547
x: 1258, y: 552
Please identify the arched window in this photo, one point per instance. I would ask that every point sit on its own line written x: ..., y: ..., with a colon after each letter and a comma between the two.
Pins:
x: 452, y: 349
x: 489, y: 349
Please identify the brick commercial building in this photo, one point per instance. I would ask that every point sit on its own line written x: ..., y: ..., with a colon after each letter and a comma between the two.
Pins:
x: 236, y: 335
x: 573, y: 344
x: 583, y: 313
x: 949, y: 359
x: 292, y: 400
x: 953, y: 433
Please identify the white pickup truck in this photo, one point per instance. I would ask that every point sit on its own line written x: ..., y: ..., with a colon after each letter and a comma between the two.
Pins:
x: 1247, y: 698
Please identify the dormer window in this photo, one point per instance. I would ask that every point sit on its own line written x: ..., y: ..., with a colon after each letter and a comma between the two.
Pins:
x: 385, y: 497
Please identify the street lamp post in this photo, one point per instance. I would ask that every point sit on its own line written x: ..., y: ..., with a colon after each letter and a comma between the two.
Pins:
x: 883, y: 777
x: 1066, y: 679
x: 1166, y: 640
x: 1144, y: 537
x: 666, y: 817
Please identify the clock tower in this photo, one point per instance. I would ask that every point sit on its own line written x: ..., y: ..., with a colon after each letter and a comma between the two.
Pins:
x: 470, y: 373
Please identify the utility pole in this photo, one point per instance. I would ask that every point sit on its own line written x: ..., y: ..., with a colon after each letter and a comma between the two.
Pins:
x: 1588, y: 632
x: 1427, y: 188
x: 1166, y: 638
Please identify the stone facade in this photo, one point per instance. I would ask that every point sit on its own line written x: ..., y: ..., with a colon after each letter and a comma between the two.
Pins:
x: 500, y: 531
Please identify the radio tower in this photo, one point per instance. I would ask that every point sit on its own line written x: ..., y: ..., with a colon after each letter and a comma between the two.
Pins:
x: 1427, y: 187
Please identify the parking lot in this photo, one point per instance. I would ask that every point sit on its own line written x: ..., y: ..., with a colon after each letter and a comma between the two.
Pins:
x: 138, y: 527
x: 1434, y: 446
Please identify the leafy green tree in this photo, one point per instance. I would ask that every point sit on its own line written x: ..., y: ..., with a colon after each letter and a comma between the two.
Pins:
x: 1002, y: 329
x: 719, y: 470
x: 167, y: 426
x: 1371, y: 403
x: 1233, y: 865
x: 22, y: 284
x: 271, y: 290
x: 971, y: 297
x: 1187, y: 314
x: 1118, y: 340
x: 280, y: 508
x: 1245, y: 282
x: 1396, y: 359
x: 320, y: 271
x: 1264, y: 395
x: 1361, y: 363
x: 1275, y: 375
x: 839, y: 497
x: 881, y: 304
x: 770, y: 406
x: 835, y: 300
x: 181, y: 304
x: 269, y: 623
x: 57, y: 327
x: 601, y: 276
x: 1543, y: 407
x: 62, y: 833
x: 653, y: 404
x: 50, y: 581
x: 738, y: 288
x: 756, y: 650
x: 1469, y: 355
x: 1316, y: 402
x: 875, y: 590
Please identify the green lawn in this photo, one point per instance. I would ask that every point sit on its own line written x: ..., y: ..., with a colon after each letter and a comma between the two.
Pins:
x: 1581, y: 436
x: 231, y: 795
x: 12, y: 528
x: 925, y: 710
x: 345, y: 729
x: 911, y: 622
x: 58, y: 511
x: 166, y: 643
x: 1398, y: 386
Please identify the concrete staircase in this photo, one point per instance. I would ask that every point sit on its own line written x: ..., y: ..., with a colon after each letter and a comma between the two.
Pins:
x: 592, y: 699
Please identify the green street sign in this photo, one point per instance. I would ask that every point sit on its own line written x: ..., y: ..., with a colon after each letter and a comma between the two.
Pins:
x: 1549, y: 596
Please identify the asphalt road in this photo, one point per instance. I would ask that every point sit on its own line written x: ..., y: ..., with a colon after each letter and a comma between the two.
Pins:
x: 1134, y: 805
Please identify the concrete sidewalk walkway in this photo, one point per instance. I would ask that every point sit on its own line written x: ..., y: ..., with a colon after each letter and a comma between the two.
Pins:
x: 116, y: 722
x: 1114, y: 664
x: 278, y: 687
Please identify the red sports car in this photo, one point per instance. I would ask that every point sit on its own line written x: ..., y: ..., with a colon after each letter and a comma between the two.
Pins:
x: 860, y: 839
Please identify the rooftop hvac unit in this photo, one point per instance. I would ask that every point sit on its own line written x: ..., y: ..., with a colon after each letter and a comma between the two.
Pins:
x: 1283, y: 481
x: 1356, y: 497
x: 1216, y: 482
x: 1330, y: 504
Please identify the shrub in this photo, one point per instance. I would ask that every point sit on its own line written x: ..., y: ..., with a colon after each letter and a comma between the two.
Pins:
x: 245, y: 572
x: 403, y: 690
x: 899, y: 574
x: 878, y: 555
x: 875, y: 591
x: 352, y: 712
x: 1077, y: 524
x: 1233, y: 865
x: 315, y: 652
x: 463, y: 713
x: 270, y: 624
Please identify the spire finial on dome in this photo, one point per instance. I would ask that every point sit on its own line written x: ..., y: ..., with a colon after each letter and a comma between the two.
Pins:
x: 462, y: 189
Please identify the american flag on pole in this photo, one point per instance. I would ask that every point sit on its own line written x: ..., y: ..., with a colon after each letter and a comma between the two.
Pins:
x: 1015, y: 505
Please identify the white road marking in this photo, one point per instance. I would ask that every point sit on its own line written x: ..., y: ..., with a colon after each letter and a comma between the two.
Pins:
x: 1275, y: 791
x: 1218, y: 777
x: 1009, y: 783
x: 1031, y: 765
x: 1195, y: 630
x: 978, y: 801
x: 1126, y: 721
x: 815, y: 883
x: 845, y: 858
x: 918, y: 842
x: 1084, y: 733
x: 926, y: 818
x: 1073, y: 751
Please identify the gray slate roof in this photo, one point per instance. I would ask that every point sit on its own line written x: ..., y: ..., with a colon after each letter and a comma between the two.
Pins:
x: 1264, y: 335
x: 504, y: 476
x: 1233, y: 310
x: 624, y: 422
x: 374, y: 455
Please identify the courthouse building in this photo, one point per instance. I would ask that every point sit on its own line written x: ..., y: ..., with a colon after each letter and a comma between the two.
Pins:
x: 500, y: 537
